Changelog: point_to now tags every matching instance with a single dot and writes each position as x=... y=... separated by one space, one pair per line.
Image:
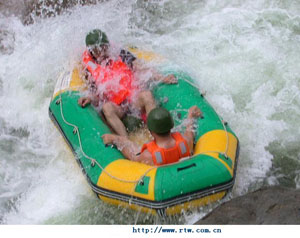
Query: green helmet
x=160 y=121
x=96 y=37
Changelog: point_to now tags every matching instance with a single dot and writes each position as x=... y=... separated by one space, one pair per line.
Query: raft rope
x=94 y=161
x=140 y=180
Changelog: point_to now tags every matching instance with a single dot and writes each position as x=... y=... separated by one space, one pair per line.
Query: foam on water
x=244 y=54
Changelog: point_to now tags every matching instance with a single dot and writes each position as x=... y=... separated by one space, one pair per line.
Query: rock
x=28 y=10
x=272 y=205
x=50 y=8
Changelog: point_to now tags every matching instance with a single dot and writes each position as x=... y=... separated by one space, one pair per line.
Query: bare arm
x=169 y=79
x=194 y=112
x=84 y=101
x=138 y=66
x=92 y=96
x=129 y=149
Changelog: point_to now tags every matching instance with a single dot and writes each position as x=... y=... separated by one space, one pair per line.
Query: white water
x=244 y=54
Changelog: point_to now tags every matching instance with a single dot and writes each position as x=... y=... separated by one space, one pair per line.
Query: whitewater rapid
x=243 y=54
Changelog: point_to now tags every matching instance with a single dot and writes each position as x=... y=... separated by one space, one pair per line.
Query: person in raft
x=166 y=147
x=111 y=82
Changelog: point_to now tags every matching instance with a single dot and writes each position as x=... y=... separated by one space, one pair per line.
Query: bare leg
x=113 y=114
x=145 y=100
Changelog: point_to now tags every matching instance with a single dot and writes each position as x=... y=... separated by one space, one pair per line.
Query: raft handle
x=57 y=102
x=111 y=145
x=141 y=182
x=179 y=115
x=186 y=167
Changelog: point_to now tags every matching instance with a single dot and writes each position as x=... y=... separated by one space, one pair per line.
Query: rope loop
x=75 y=130
x=141 y=182
x=225 y=155
x=58 y=101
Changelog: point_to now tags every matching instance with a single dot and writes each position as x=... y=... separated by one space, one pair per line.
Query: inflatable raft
x=198 y=180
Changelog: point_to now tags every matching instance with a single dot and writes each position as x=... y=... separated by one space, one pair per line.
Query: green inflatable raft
x=195 y=181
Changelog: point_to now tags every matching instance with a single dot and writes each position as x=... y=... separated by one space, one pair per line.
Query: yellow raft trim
x=195 y=203
x=145 y=55
x=75 y=84
x=215 y=141
x=127 y=205
x=187 y=206
x=127 y=170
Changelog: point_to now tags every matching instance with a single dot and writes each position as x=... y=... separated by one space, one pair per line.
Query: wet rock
x=29 y=10
x=50 y=8
x=272 y=205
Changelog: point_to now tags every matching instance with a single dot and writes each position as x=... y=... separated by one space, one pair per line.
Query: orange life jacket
x=117 y=71
x=162 y=156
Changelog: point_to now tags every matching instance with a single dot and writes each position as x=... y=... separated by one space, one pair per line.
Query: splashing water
x=244 y=54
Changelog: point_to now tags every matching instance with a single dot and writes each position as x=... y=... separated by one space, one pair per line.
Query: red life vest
x=117 y=76
x=162 y=156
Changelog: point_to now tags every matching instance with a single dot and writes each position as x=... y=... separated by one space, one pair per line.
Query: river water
x=243 y=53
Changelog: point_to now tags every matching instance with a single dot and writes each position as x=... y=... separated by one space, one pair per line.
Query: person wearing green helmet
x=97 y=43
x=112 y=81
x=167 y=147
